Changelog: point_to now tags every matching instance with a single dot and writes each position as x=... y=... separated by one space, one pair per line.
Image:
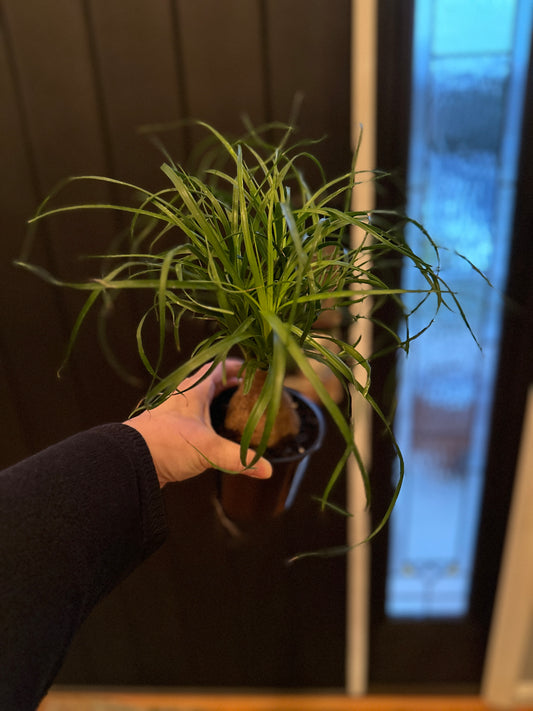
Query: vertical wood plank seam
x=22 y=109
x=99 y=91
x=183 y=92
x=37 y=190
x=264 y=40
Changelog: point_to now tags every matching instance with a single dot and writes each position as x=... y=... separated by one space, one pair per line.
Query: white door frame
x=363 y=116
x=511 y=635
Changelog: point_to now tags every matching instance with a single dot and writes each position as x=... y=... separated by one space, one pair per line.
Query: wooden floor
x=105 y=701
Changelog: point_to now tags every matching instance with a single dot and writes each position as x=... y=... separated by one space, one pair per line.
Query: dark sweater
x=75 y=519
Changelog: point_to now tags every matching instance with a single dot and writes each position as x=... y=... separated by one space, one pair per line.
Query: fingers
x=227 y=376
x=223 y=376
x=194 y=396
x=227 y=457
x=228 y=453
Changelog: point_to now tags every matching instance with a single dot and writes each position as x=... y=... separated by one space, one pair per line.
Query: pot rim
x=314 y=408
x=316 y=444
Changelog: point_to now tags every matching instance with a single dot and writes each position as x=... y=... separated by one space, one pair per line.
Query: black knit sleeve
x=75 y=519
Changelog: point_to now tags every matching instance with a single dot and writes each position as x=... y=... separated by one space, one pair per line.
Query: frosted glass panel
x=468 y=109
x=472 y=26
x=469 y=68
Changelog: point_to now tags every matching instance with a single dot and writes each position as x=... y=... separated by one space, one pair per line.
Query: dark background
x=77 y=79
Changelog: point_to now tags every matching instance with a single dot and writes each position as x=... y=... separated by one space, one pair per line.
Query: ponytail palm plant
x=250 y=247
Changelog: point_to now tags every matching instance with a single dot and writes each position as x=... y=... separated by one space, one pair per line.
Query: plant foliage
x=248 y=245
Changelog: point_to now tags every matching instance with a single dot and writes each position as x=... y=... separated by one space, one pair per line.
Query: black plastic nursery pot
x=246 y=501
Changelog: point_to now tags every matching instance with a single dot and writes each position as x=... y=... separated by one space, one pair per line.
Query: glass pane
x=469 y=68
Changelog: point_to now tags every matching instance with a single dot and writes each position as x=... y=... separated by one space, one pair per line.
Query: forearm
x=74 y=520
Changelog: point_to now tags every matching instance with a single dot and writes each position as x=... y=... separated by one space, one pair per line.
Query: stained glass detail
x=469 y=68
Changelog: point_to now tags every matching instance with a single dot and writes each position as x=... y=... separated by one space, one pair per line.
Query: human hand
x=180 y=436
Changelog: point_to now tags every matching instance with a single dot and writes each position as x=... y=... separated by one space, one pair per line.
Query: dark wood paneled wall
x=77 y=78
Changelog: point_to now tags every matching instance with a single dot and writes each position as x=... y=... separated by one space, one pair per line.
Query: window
x=468 y=79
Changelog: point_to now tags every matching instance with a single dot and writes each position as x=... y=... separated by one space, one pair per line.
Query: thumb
x=227 y=456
